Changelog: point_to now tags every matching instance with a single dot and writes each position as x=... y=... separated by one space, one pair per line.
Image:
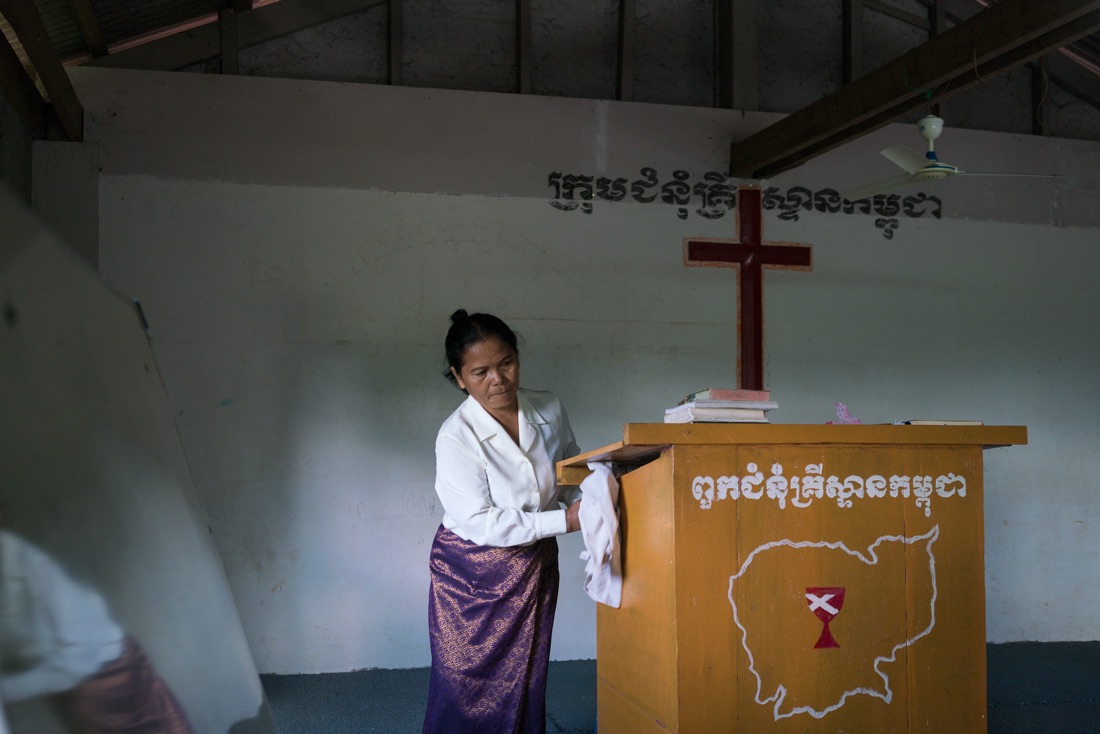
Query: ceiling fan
x=921 y=168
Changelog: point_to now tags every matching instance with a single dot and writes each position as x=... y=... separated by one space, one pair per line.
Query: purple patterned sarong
x=490 y=618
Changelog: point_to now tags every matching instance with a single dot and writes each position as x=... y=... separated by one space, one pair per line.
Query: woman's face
x=490 y=373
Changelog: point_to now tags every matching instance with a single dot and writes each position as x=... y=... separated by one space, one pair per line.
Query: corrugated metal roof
x=115 y=25
x=60 y=21
x=120 y=21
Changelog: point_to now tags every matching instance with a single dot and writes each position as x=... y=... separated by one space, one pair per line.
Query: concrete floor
x=1034 y=688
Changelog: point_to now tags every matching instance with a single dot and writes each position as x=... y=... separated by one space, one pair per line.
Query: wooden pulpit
x=796 y=578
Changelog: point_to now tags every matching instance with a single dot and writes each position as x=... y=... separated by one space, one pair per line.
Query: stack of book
x=723 y=405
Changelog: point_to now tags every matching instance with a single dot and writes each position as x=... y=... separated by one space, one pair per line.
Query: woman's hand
x=573 y=517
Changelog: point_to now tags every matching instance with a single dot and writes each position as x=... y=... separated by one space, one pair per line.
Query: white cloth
x=54 y=632
x=495 y=492
x=599 y=516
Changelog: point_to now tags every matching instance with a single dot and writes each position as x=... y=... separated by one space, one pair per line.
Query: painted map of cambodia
x=821 y=622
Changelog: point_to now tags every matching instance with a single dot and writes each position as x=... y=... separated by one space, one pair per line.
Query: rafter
x=1067 y=67
x=523 y=46
x=89 y=27
x=737 y=76
x=1070 y=67
x=395 y=35
x=853 y=40
x=202 y=42
x=624 y=87
x=31 y=32
x=20 y=91
x=1003 y=36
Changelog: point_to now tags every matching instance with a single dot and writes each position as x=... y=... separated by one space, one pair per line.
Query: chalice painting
x=825 y=602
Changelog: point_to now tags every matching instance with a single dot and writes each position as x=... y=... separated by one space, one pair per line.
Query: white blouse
x=54 y=632
x=495 y=492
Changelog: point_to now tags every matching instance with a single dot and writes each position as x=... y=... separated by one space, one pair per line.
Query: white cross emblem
x=822 y=602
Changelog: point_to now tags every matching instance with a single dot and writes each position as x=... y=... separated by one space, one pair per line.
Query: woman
x=494 y=561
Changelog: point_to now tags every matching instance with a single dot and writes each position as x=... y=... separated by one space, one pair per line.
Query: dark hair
x=468 y=329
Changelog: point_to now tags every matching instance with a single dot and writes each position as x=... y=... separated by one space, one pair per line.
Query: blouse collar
x=486 y=426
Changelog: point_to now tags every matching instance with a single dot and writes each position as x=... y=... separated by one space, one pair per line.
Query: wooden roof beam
x=202 y=41
x=737 y=52
x=20 y=91
x=1068 y=67
x=24 y=19
x=852 y=40
x=1003 y=36
x=624 y=85
x=524 y=53
x=395 y=40
x=89 y=27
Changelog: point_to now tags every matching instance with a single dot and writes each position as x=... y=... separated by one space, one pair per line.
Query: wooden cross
x=750 y=255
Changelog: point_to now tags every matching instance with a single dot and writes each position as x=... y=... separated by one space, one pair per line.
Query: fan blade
x=879 y=188
x=1026 y=175
x=907 y=159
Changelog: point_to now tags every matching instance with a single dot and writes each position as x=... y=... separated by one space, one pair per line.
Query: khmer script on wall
x=714 y=194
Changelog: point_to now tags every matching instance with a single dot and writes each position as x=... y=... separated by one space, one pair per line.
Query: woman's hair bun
x=459 y=315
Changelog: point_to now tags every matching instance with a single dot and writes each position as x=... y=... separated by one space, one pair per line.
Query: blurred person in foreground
x=58 y=639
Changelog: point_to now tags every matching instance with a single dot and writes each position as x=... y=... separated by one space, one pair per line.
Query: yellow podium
x=796 y=578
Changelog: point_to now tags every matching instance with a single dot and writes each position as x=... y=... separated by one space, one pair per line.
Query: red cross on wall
x=750 y=255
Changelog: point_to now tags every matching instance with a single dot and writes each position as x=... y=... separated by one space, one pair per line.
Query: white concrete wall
x=298 y=247
x=65 y=194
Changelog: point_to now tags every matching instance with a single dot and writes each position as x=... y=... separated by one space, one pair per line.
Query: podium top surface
x=642 y=442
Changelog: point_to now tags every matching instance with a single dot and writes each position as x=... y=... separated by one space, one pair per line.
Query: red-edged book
x=729 y=393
